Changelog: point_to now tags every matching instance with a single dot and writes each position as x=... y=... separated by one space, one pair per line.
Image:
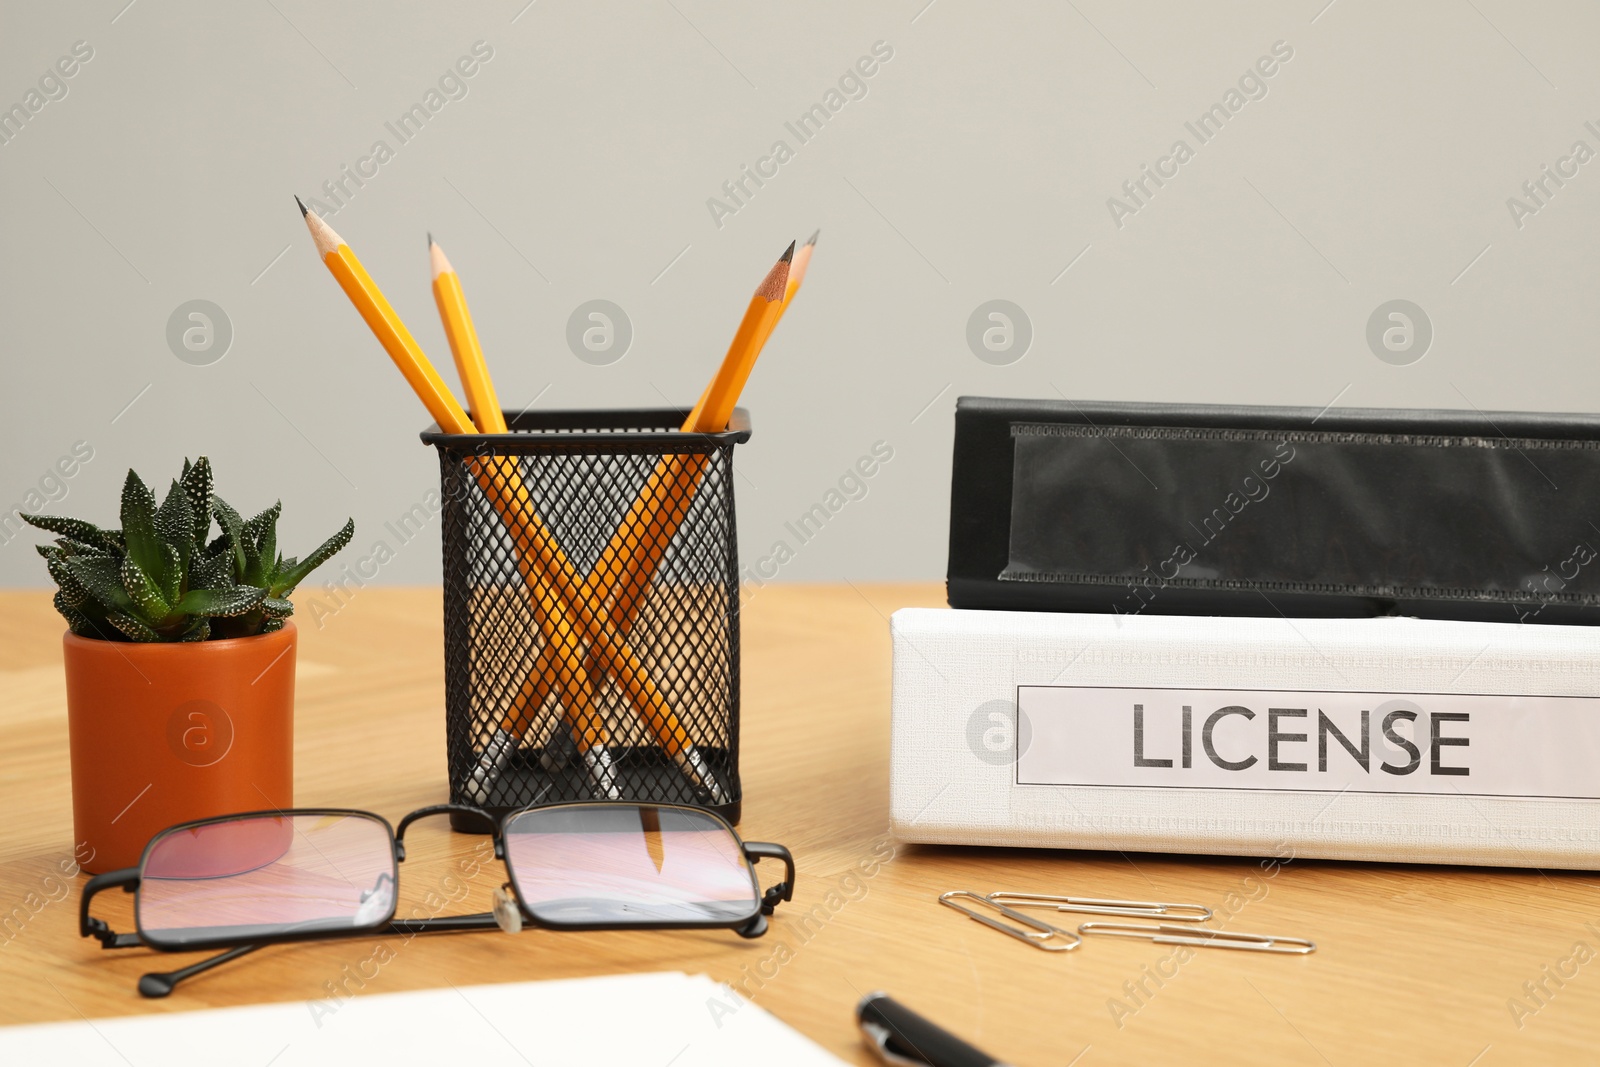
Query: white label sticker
x=1506 y=746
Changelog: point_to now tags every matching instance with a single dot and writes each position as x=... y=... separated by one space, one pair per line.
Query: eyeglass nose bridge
x=491 y=826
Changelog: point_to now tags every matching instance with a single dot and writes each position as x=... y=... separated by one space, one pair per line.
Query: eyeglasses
x=241 y=882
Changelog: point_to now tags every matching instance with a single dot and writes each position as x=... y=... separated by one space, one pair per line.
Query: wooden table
x=1416 y=964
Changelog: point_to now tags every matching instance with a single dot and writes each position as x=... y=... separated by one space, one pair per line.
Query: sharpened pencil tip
x=430 y=238
x=813 y=239
x=788 y=254
x=304 y=211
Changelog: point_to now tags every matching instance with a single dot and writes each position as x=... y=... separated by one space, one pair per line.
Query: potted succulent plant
x=180 y=662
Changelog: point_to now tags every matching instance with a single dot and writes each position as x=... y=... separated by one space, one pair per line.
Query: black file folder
x=1231 y=510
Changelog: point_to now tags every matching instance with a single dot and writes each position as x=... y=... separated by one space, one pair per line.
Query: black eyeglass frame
x=159 y=985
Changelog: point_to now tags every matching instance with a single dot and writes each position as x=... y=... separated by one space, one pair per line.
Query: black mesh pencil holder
x=627 y=686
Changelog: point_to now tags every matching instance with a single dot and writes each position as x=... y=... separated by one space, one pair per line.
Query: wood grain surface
x=1415 y=964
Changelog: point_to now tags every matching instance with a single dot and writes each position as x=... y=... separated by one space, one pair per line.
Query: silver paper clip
x=1202 y=938
x=1040 y=935
x=1137 y=909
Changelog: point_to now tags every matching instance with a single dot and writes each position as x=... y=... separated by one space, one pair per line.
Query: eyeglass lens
x=266 y=875
x=615 y=864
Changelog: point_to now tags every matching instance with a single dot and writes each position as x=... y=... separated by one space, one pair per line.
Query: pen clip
x=902 y=1038
x=878 y=1038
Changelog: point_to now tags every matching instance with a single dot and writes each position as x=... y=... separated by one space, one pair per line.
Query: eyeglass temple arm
x=128 y=879
x=784 y=890
x=158 y=985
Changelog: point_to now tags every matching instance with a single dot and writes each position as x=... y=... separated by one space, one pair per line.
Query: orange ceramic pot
x=166 y=733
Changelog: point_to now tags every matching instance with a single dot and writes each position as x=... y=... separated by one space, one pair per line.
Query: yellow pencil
x=797 y=274
x=463 y=338
x=710 y=415
x=592 y=743
x=630 y=559
x=705 y=420
x=661 y=507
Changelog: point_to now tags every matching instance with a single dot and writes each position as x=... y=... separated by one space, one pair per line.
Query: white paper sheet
x=631 y=1020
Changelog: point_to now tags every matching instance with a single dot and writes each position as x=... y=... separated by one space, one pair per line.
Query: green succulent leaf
x=285 y=581
x=272 y=626
x=86 y=625
x=103 y=580
x=172 y=567
x=199 y=631
x=232 y=531
x=176 y=572
x=221 y=603
x=254 y=566
x=136 y=629
x=77 y=621
x=263 y=532
x=142 y=590
x=175 y=524
x=99 y=628
x=254 y=527
x=139 y=530
x=76 y=529
x=71 y=589
x=213 y=573
x=277 y=607
x=80 y=548
x=196 y=482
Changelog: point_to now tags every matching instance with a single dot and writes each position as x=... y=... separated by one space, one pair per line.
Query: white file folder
x=1389 y=739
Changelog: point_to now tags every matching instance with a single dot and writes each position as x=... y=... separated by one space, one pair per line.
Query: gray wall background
x=978 y=165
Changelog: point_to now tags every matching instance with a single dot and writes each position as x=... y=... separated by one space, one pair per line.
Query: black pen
x=902 y=1037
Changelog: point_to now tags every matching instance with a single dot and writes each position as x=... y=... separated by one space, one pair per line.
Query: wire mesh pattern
x=591 y=611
